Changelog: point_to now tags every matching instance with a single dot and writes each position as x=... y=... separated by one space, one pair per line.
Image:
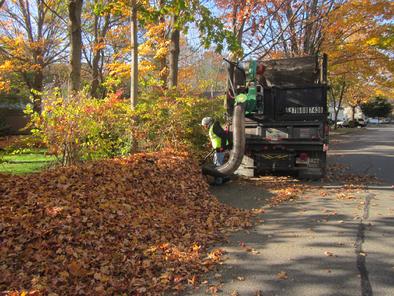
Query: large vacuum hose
x=237 y=153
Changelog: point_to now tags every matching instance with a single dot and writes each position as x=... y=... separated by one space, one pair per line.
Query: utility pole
x=134 y=55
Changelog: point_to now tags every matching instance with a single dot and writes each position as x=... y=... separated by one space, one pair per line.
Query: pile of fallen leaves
x=136 y=226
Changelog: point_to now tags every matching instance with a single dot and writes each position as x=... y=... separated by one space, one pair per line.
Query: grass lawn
x=24 y=163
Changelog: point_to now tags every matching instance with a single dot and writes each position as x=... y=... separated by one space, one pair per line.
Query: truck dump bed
x=294 y=72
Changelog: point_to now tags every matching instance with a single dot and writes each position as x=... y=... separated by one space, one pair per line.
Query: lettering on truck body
x=304 y=110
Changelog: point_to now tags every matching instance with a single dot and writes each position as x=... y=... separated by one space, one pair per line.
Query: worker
x=219 y=141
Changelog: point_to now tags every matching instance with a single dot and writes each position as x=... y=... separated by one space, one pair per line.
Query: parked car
x=343 y=123
x=373 y=121
x=360 y=122
x=385 y=120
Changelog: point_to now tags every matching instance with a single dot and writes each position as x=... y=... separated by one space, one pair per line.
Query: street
x=369 y=151
x=332 y=240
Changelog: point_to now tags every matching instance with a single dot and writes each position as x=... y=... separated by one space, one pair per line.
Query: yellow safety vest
x=215 y=139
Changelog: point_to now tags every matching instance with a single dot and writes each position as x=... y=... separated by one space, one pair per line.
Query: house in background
x=346 y=113
x=12 y=118
x=358 y=114
x=331 y=111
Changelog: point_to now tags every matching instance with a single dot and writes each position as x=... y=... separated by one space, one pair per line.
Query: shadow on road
x=306 y=241
x=242 y=195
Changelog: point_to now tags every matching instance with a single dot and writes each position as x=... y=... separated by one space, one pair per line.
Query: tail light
x=303 y=156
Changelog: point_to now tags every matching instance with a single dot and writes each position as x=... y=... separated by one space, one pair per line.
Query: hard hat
x=207 y=121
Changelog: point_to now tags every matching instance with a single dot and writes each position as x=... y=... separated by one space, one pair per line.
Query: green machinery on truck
x=279 y=117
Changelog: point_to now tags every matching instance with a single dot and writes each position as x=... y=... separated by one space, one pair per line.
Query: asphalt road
x=318 y=244
x=369 y=150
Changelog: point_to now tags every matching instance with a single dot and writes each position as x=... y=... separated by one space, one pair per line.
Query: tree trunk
x=37 y=86
x=309 y=47
x=95 y=76
x=95 y=61
x=99 y=37
x=293 y=32
x=163 y=60
x=75 y=11
x=353 y=112
x=340 y=100
x=134 y=67
x=70 y=154
x=134 y=55
x=174 y=54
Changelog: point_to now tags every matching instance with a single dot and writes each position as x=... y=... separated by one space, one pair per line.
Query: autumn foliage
x=79 y=127
x=139 y=226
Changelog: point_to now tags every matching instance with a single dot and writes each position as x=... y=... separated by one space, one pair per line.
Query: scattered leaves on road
x=282 y=188
x=282 y=275
x=328 y=253
x=340 y=173
x=213 y=290
x=286 y=188
x=248 y=249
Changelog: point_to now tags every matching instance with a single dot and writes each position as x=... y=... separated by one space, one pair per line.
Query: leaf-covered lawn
x=138 y=226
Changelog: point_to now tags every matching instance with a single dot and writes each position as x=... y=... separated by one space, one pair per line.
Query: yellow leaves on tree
x=5 y=82
x=17 y=47
x=353 y=36
x=153 y=52
x=356 y=39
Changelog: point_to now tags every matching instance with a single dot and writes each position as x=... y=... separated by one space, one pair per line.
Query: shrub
x=175 y=122
x=79 y=127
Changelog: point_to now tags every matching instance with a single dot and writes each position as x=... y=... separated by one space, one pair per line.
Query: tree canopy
x=174 y=38
x=378 y=107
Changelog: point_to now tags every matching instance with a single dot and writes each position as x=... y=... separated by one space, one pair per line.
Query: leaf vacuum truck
x=278 y=114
